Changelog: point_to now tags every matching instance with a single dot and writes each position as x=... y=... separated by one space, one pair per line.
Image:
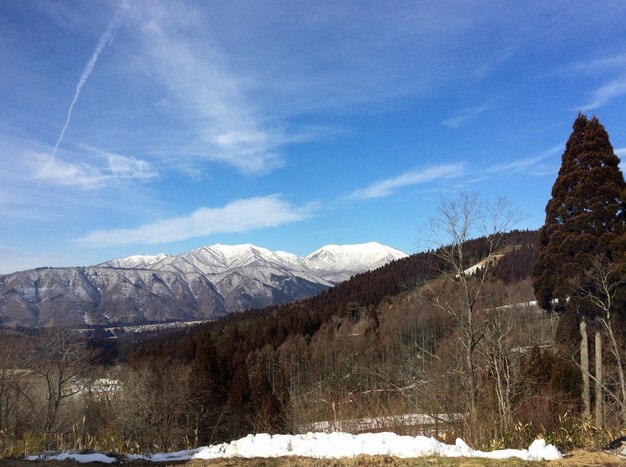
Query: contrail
x=114 y=33
x=107 y=36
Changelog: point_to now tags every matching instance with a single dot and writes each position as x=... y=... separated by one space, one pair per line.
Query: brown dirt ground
x=575 y=458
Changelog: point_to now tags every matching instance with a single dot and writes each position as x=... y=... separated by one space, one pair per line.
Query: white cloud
x=605 y=94
x=462 y=117
x=58 y=172
x=526 y=164
x=237 y=216
x=119 y=166
x=129 y=167
x=70 y=186
x=387 y=187
x=84 y=175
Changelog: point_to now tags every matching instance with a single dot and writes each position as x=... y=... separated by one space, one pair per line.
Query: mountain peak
x=339 y=262
x=359 y=249
x=330 y=263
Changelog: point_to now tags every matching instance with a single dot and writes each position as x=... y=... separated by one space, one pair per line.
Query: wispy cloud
x=237 y=216
x=463 y=117
x=387 y=187
x=606 y=93
x=240 y=90
x=533 y=163
x=222 y=120
x=71 y=187
x=494 y=61
x=613 y=65
x=611 y=62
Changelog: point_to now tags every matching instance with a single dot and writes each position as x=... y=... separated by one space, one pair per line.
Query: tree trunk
x=599 y=394
x=584 y=366
x=620 y=367
x=471 y=368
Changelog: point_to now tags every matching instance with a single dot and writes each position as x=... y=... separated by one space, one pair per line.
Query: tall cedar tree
x=585 y=216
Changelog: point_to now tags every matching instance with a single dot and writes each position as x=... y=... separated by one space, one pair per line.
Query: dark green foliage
x=552 y=387
x=518 y=262
x=585 y=215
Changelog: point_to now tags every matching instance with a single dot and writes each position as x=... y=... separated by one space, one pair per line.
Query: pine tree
x=585 y=216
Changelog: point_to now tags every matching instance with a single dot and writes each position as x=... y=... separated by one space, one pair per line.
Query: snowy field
x=328 y=446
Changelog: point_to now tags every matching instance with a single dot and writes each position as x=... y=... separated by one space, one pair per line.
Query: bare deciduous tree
x=61 y=359
x=459 y=220
x=599 y=285
x=153 y=408
x=501 y=365
x=17 y=409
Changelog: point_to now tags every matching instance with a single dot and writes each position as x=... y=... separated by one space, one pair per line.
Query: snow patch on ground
x=71 y=456
x=329 y=446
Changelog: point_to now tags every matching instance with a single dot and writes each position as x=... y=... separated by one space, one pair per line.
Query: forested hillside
x=358 y=349
x=367 y=348
x=376 y=352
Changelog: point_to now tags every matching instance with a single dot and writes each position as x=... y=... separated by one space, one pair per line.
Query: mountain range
x=201 y=284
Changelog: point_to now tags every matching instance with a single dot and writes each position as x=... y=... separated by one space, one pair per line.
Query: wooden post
x=584 y=366
x=599 y=394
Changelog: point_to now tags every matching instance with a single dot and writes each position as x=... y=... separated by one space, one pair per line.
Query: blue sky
x=147 y=127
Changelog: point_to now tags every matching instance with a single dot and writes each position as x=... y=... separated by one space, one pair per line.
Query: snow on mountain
x=201 y=284
x=104 y=295
x=228 y=266
x=329 y=264
x=135 y=261
x=289 y=258
x=336 y=263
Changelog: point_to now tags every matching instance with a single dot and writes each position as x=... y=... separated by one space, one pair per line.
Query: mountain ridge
x=204 y=283
x=329 y=264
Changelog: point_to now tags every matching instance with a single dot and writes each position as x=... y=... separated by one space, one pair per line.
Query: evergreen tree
x=585 y=216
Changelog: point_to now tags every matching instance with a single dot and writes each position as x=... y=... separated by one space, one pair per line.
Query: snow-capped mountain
x=327 y=262
x=337 y=263
x=201 y=284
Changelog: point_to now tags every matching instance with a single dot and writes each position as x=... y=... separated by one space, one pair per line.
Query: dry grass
x=588 y=458
x=575 y=458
